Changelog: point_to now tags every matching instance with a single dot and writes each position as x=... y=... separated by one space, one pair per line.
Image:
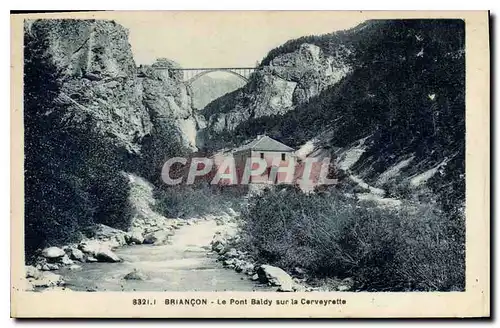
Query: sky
x=223 y=39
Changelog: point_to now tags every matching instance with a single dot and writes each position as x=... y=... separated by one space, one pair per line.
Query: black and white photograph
x=164 y=153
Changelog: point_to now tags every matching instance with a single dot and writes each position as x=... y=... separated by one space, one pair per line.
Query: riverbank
x=226 y=244
x=183 y=263
x=98 y=246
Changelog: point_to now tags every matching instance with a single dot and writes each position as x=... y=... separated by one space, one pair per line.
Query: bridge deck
x=190 y=74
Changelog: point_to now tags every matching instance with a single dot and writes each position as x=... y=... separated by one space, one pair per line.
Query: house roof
x=266 y=143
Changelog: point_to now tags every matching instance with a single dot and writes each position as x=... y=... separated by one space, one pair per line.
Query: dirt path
x=185 y=265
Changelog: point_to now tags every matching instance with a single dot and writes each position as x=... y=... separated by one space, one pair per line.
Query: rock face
x=84 y=115
x=169 y=105
x=287 y=81
x=336 y=95
x=91 y=114
x=101 y=84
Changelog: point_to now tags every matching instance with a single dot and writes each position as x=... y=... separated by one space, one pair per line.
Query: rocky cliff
x=386 y=98
x=175 y=122
x=290 y=79
x=89 y=115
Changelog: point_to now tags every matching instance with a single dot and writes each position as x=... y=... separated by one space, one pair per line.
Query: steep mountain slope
x=170 y=108
x=290 y=79
x=396 y=110
x=87 y=117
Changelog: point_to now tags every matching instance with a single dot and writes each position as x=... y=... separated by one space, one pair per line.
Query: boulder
x=135 y=275
x=247 y=268
x=90 y=247
x=104 y=232
x=286 y=287
x=50 y=267
x=107 y=255
x=99 y=251
x=219 y=249
x=275 y=276
x=135 y=236
x=229 y=262
x=159 y=237
x=48 y=279
x=65 y=260
x=231 y=253
x=53 y=253
x=218 y=243
x=237 y=265
x=255 y=277
x=74 y=267
x=345 y=285
x=299 y=288
x=121 y=239
x=76 y=254
x=32 y=272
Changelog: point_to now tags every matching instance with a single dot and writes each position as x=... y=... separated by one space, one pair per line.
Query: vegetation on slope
x=406 y=91
x=331 y=236
x=71 y=178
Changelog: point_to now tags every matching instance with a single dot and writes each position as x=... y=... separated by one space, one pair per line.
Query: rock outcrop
x=91 y=114
x=84 y=121
x=376 y=99
x=289 y=80
x=169 y=103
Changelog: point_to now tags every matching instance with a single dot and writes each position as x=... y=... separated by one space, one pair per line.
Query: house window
x=282 y=156
x=262 y=155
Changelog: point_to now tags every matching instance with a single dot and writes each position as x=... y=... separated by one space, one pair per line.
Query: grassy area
x=333 y=236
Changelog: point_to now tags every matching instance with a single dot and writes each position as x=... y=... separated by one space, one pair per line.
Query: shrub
x=333 y=236
x=194 y=200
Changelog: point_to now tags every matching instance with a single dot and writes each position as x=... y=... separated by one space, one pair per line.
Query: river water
x=185 y=265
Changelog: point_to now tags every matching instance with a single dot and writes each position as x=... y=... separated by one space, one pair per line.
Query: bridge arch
x=205 y=72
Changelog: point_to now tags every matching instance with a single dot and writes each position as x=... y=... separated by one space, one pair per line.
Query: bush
x=332 y=236
x=195 y=200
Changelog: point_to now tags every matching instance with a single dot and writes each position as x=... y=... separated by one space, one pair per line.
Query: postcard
x=250 y=164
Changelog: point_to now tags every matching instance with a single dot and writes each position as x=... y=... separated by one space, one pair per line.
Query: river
x=185 y=265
